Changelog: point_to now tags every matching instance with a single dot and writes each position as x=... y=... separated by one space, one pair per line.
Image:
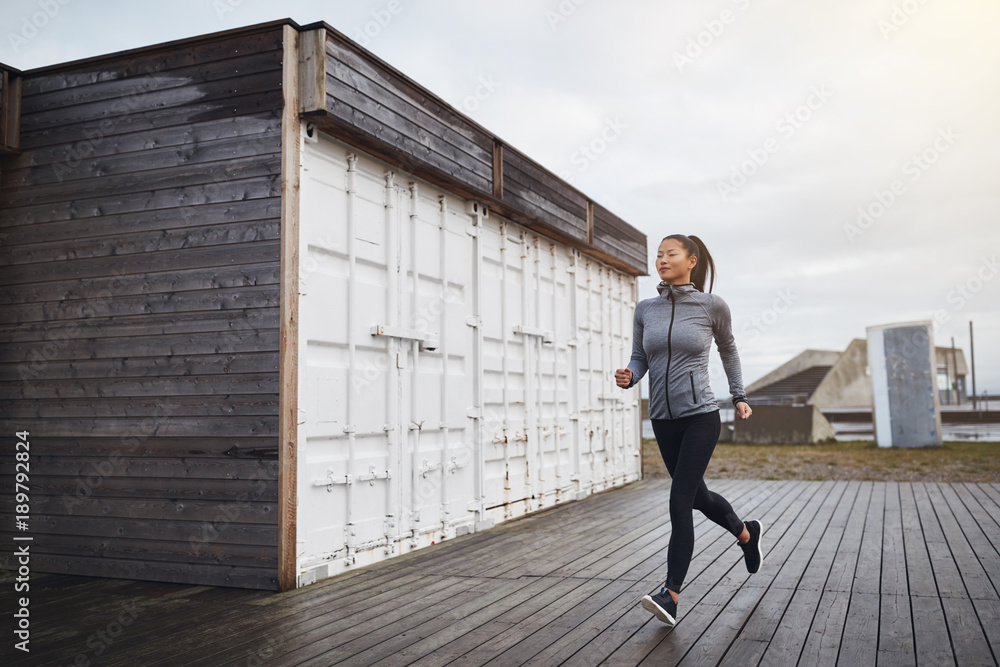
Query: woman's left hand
x=743 y=410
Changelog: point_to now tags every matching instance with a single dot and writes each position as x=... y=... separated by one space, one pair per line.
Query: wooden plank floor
x=855 y=573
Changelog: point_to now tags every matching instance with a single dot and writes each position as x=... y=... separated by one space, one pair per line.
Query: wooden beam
x=10 y=112
x=497 y=169
x=590 y=222
x=289 y=314
x=312 y=70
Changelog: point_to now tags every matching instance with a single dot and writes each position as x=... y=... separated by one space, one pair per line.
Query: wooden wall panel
x=140 y=271
x=616 y=237
x=387 y=109
x=543 y=196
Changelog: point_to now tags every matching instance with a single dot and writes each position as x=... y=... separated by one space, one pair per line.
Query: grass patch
x=954 y=461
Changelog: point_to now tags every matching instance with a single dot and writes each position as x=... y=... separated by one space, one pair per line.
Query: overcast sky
x=763 y=126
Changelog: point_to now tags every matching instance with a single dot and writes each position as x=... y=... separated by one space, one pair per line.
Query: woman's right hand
x=623 y=376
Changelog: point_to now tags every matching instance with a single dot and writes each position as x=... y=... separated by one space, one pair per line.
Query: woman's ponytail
x=704 y=265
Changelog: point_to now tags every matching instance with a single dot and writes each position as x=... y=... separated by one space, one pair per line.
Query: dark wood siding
x=616 y=237
x=389 y=109
x=544 y=197
x=139 y=312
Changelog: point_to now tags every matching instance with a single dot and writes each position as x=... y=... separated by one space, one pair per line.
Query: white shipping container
x=456 y=369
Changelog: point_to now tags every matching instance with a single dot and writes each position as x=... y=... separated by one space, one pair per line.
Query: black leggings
x=686 y=445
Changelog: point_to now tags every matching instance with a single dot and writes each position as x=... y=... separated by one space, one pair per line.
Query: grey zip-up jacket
x=671 y=338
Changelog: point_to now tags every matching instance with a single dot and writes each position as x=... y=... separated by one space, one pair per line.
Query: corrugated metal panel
x=455 y=368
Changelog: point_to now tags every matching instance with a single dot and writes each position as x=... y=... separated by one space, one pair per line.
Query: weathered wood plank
x=209 y=574
x=387 y=111
x=726 y=631
x=169 y=366
x=106 y=194
x=542 y=620
x=920 y=576
x=842 y=569
x=822 y=646
x=233 y=298
x=617 y=557
x=222 y=490
x=817 y=571
x=254 y=106
x=172 y=217
x=933 y=645
x=893 y=580
x=708 y=594
x=978 y=558
x=102 y=114
x=242 y=182
x=504 y=595
x=151 y=346
x=868 y=574
x=343 y=58
x=967 y=638
x=201 y=385
x=946 y=573
x=76 y=174
x=168 y=426
x=130 y=406
x=156 y=60
x=288 y=350
x=895 y=631
x=128 y=92
x=208 y=553
x=793 y=566
x=527 y=186
x=793 y=629
x=58 y=333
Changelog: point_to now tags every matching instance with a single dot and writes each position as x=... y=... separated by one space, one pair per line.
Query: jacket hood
x=666 y=289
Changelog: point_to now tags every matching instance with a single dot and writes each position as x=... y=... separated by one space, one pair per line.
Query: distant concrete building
x=839 y=381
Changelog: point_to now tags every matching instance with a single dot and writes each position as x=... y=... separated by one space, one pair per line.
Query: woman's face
x=673 y=263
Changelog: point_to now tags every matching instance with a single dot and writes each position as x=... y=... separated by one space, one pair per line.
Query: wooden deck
x=854 y=573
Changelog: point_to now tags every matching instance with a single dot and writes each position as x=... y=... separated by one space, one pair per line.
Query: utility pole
x=972 y=361
x=954 y=367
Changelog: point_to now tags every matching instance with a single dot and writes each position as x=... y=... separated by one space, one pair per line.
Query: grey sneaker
x=661 y=605
x=752 y=553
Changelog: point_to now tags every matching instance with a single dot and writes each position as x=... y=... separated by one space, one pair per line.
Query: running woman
x=672 y=338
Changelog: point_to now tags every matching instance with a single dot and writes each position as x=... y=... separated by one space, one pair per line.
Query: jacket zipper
x=694 y=396
x=666 y=386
